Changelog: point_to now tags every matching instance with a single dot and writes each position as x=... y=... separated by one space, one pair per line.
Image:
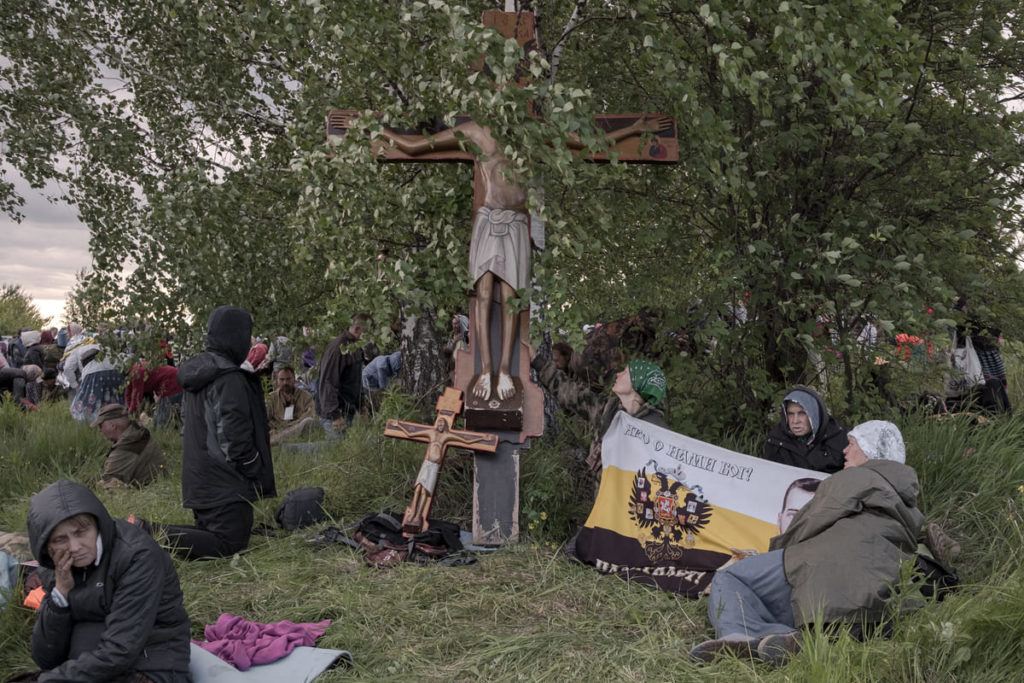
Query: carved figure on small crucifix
x=438 y=438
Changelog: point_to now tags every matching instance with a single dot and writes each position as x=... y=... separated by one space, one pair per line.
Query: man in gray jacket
x=836 y=561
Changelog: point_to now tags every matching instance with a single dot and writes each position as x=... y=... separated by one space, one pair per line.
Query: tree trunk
x=423 y=365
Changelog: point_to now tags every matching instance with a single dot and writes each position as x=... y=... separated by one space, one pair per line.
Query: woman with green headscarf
x=639 y=389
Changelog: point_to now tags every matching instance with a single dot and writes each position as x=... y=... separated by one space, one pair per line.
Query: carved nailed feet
x=506 y=388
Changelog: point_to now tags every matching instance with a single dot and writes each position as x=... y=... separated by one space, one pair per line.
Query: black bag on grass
x=936 y=579
x=381 y=535
x=301 y=508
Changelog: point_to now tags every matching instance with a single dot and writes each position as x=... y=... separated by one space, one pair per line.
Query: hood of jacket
x=823 y=416
x=901 y=477
x=229 y=333
x=199 y=371
x=57 y=502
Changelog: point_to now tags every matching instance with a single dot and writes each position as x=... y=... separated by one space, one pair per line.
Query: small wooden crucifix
x=438 y=438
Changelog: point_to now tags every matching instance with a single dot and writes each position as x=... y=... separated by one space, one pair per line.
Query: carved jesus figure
x=438 y=440
x=499 y=251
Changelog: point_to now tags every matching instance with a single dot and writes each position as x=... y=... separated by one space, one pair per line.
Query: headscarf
x=46 y=338
x=880 y=440
x=74 y=329
x=810 y=405
x=648 y=380
x=463 y=323
x=33 y=373
x=30 y=337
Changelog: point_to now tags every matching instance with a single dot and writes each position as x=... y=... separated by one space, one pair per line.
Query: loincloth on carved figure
x=501 y=245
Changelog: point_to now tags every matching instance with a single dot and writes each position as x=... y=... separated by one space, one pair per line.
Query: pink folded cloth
x=243 y=643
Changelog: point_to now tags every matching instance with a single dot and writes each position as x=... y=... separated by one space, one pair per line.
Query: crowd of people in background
x=91 y=369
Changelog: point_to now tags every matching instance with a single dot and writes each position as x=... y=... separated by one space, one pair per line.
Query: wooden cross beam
x=438 y=438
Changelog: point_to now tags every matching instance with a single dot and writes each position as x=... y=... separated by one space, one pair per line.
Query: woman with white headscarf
x=101 y=383
x=834 y=564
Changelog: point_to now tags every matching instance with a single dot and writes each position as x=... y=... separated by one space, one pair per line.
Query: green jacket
x=135 y=460
x=304 y=407
x=844 y=548
x=596 y=409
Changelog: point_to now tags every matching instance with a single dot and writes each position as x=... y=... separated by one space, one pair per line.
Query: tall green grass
x=524 y=612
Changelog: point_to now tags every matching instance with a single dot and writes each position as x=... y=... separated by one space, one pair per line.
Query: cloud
x=45 y=250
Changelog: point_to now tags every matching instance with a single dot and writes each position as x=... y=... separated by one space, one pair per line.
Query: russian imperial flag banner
x=671 y=509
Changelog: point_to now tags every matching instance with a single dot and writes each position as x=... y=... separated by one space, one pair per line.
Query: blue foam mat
x=302 y=664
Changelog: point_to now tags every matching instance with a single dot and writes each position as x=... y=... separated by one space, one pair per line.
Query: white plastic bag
x=966 y=372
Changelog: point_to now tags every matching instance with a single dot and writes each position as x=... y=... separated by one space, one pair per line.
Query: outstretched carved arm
x=644 y=124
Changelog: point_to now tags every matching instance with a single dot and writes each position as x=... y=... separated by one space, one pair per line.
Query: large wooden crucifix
x=494 y=373
x=438 y=439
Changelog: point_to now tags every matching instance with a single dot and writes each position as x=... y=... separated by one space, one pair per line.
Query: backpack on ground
x=301 y=508
x=381 y=536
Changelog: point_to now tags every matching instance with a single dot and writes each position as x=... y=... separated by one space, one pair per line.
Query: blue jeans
x=751 y=599
x=332 y=431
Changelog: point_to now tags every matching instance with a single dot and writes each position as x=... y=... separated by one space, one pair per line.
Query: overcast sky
x=44 y=251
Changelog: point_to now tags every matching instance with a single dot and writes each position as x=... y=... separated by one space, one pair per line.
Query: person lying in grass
x=113 y=609
x=835 y=562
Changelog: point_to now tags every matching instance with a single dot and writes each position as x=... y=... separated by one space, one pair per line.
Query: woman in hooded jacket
x=226 y=461
x=35 y=351
x=113 y=609
x=806 y=436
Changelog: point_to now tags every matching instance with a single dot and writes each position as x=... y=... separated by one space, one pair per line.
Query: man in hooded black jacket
x=806 y=436
x=113 y=607
x=226 y=461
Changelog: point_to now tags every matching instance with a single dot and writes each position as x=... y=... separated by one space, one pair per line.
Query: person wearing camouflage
x=639 y=389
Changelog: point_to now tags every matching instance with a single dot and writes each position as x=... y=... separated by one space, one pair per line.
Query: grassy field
x=524 y=612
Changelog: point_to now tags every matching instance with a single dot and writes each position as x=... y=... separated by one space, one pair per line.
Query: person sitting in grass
x=52 y=392
x=806 y=436
x=835 y=563
x=134 y=457
x=639 y=389
x=291 y=412
x=113 y=608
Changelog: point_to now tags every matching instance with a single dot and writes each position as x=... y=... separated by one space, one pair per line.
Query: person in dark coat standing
x=113 y=608
x=806 y=436
x=226 y=463
x=340 y=384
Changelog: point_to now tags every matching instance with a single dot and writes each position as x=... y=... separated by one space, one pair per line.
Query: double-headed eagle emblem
x=656 y=508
